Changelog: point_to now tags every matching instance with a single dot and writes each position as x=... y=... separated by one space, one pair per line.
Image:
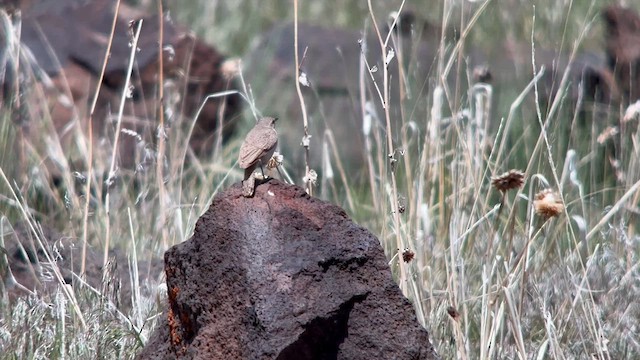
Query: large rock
x=622 y=38
x=283 y=276
x=63 y=45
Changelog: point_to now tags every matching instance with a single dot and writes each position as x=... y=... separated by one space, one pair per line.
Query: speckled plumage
x=258 y=146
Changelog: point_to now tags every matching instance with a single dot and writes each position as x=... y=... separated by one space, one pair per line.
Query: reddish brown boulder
x=66 y=41
x=283 y=276
x=622 y=38
x=589 y=80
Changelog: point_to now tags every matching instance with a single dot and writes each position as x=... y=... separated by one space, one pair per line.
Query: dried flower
x=455 y=315
x=547 y=204
x=512 y=179
x=304 y=80
x=275 y=161
x=402 y=204
x=306 y=141
x=390 y=55
x=607 y=134
x=231 y=68
x=408 y=255
x=311 y=177
x=632 y=112
x=170 y=51
x=482 y=74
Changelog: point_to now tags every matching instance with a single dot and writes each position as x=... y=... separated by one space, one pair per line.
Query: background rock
x=334 y=104
x=332 y=65
x=63 y=45
x=622 y=38
x=283 y=276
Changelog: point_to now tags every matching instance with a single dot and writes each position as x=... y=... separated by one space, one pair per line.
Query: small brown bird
x=257 y=149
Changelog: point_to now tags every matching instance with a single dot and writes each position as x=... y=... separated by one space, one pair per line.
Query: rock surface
x=622 y=39
x=283 y=276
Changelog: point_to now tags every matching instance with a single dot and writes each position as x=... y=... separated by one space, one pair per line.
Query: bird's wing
x=257 y=143
x=268 y=141
x=249 y=155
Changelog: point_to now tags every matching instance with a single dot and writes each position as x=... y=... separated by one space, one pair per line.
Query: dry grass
x=495 y=273
x=528 y=274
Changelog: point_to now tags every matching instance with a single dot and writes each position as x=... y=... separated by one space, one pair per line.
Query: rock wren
x=257 y=149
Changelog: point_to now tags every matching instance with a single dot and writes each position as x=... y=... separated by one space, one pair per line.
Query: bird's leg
x=249 y=182
x=249 y=186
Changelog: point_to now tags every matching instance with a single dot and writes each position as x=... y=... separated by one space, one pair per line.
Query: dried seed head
x=275 y=161
x=482 y=74
x=547 y=204
x=231 y=68
x=512 y=179
x=311 y=177
x=608 y=133
x=632 y=112
x=402 y=204
x=455 y=315
x=408 y=255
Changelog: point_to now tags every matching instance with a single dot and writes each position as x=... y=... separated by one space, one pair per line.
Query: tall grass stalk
x=112 y=167
x=308 y=177
x=90 y=179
